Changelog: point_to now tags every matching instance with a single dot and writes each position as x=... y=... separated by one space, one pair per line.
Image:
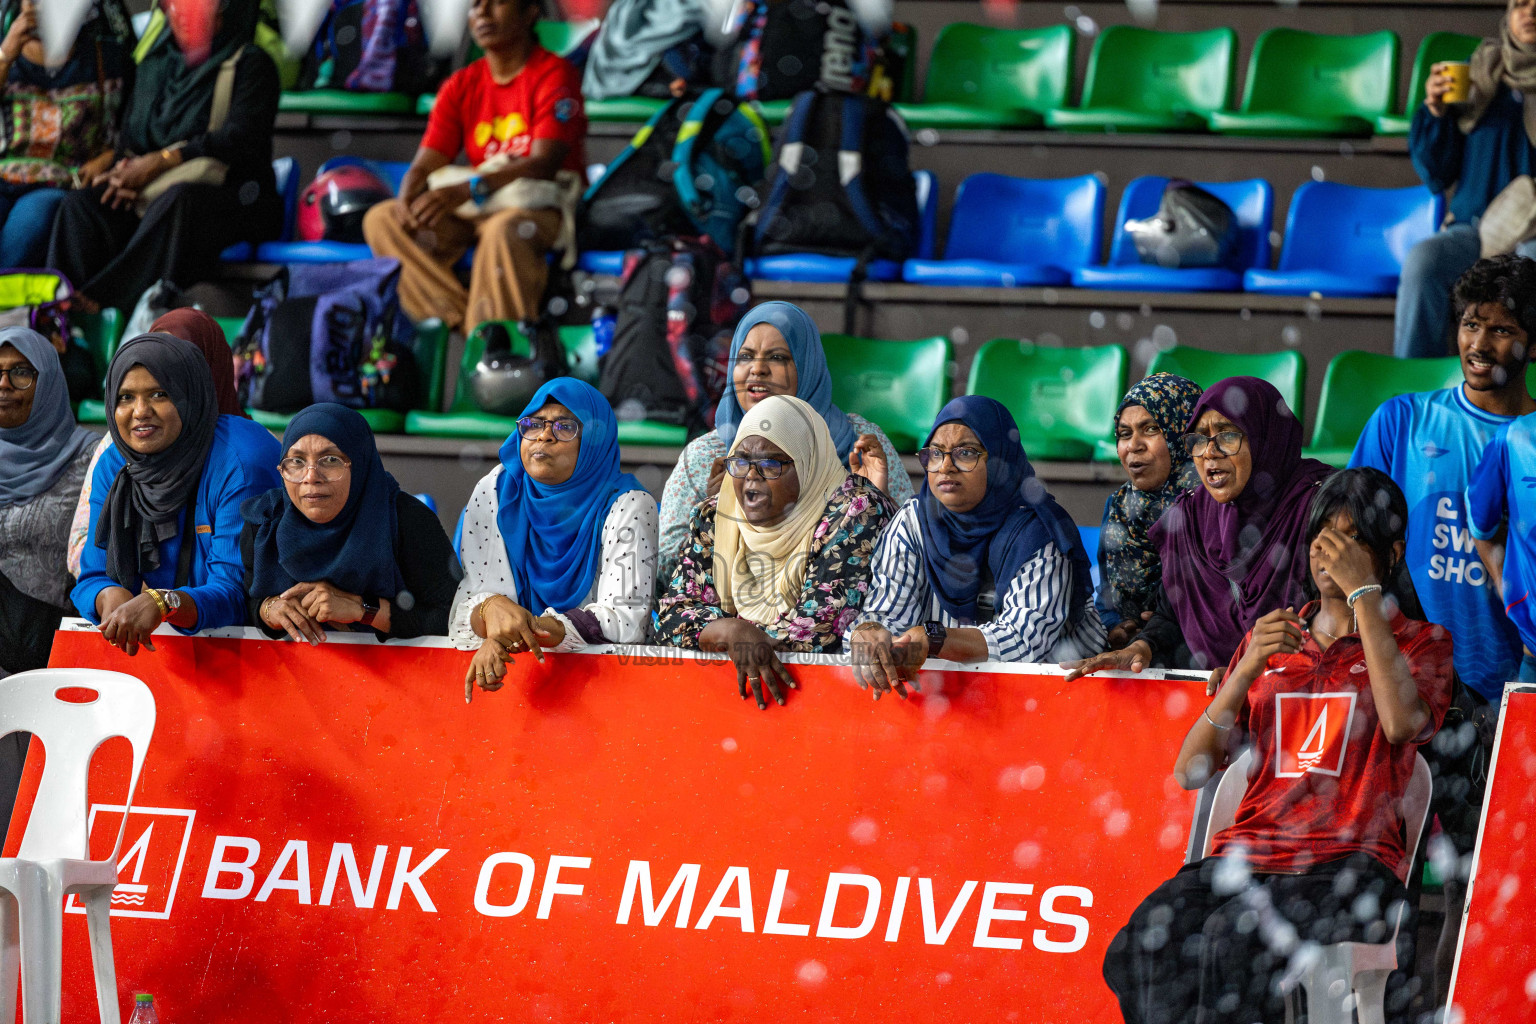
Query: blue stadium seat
x=289 y=251
x=427 y=500
x=1252 y=201
x=286 y=171
x=1090 y=535
x=807 y=266
x=1344 y=240
x=1012 y=232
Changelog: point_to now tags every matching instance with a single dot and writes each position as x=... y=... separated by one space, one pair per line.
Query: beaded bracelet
x=1360 y=592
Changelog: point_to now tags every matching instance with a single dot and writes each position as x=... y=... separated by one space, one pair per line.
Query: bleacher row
x=1299 y=84
x=1340 y=240
x=1064 y=398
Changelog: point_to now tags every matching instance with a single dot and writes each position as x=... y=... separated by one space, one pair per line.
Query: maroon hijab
x=204 y=331
x=1226 y=565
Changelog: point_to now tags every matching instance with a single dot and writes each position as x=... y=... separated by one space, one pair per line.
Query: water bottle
x=603 y=322
x=144 y=1009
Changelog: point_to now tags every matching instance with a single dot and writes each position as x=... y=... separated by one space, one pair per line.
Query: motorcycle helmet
x=1192 y=228
x=333 y=205
x=503 y=383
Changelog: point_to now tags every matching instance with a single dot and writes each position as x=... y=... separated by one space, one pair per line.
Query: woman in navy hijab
x=559 y=547
x=328 y=550
x=982 y=565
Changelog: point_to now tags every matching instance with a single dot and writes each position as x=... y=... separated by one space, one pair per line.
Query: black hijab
x=356 y=550
x=172 y=99
x=143 y=507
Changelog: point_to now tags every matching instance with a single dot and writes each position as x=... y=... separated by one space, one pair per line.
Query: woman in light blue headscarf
x=43 y=457
x=776 y=351
x=559 y=547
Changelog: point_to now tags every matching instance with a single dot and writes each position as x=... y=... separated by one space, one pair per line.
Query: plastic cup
x=1460 y=74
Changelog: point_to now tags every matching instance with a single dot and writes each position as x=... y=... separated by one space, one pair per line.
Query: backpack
x=1192 y=228
x=36 y=298
x=690 y=170
x=370 y=46
x=327 y=333
x=784 y=47
x=867 y=208
x=678 y=304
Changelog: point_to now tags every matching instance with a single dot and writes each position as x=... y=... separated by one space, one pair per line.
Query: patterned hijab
x=1128 y=561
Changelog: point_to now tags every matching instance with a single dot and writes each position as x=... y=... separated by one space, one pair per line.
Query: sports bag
x=370 y=46
x=678 y=305
x=784 y=47
x=328 y=333
x=1192 y=228
x=843 y=186
x=690 y=170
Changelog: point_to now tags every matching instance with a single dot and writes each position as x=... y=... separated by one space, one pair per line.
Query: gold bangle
x=159 y=599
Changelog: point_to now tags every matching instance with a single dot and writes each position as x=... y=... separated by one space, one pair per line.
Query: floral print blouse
x=836 y=576
x=689 y=484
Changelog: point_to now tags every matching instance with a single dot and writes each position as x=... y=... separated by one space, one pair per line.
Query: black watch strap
x=370 y=610
x=936 y=634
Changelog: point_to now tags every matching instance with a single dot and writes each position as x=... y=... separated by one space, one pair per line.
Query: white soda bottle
x=144 y=1009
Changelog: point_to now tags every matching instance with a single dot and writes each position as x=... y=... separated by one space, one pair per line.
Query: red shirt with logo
x=1328 y=783
x=474 y=114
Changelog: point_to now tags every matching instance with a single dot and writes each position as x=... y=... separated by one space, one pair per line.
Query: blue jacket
x=241 y=465
x=1479 y=165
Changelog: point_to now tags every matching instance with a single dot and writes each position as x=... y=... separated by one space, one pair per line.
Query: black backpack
x=782 y=47
x=678 y=305
x=842 y=186
x=1192 y=228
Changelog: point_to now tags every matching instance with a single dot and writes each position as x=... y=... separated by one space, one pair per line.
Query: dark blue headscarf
x=1014 y=521
x=554 y=534
x=356 y=550
x=814 y=385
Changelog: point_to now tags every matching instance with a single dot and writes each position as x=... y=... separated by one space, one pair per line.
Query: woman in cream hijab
x=779 y=560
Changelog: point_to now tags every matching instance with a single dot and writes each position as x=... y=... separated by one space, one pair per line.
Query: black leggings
x=1210 y=945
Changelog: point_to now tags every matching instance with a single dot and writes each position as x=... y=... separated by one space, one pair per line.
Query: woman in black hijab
x=113 y=245
x=340 y=545
x=164 y=541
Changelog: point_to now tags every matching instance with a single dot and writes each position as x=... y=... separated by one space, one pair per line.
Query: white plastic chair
x=54 y=859
x=1347 y=980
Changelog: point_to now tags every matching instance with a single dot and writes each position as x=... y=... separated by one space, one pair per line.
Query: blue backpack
x=843 y=186
x=690 y=170
x=329 y=332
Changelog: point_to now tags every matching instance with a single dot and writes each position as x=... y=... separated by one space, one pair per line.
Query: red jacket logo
x=1311 y=732
x=149 y=860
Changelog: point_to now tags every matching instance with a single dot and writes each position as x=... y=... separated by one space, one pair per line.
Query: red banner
x=332 y=834
x=1495 y=977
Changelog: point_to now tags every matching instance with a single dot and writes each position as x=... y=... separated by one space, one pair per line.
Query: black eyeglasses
x=22 y=377
x=565 y=429
x=964 y=459
x=1228 y=442
x=768 y=469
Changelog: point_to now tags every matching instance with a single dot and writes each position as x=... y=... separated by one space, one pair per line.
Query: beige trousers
x=509 y=274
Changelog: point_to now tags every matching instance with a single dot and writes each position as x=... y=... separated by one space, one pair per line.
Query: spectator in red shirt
x=521 y=104
x=1335 y=701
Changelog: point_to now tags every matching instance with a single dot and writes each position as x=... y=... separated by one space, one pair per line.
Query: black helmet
x=1192 y=228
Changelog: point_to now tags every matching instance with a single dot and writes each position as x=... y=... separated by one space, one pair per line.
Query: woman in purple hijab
x=1231 y=549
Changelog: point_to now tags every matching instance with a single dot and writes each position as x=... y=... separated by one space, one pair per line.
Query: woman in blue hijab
x=983 y=565
x=326 y=550
x=776 y=351
x=559 y=547
x=43 y=458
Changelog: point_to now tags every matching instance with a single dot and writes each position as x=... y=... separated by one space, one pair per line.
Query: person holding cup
x=1474 y=133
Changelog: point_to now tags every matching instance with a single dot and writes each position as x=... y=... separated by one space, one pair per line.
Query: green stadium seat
x=101 y=333
x=1286 y=370
x=1355 y=385
x=464 y=419
x=340 y=101
x=623 y=108
x=1140 y=80
x=1436 y=47
x=1303 y=84
x=900 y=386
x=1063 y=399
x=980 y=77
x=431 y=349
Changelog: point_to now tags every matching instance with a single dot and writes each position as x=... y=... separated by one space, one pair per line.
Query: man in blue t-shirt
x=1430 y=443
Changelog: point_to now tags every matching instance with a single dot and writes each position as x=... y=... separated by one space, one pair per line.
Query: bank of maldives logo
x=1312 y=732
x=149 y=861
